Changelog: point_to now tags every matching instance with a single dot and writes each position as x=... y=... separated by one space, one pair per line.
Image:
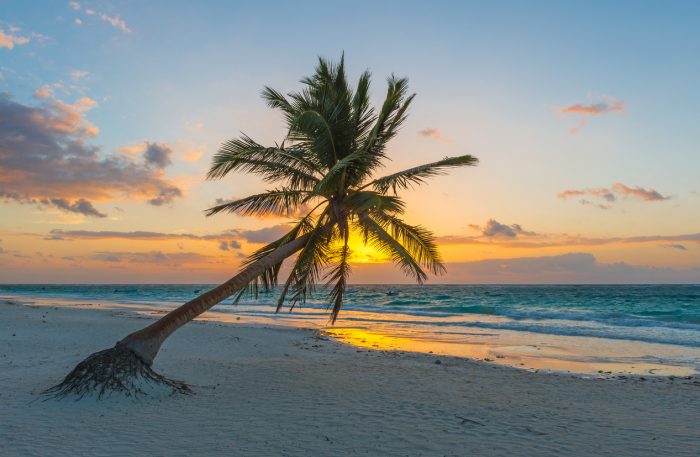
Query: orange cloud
x=135 y=149
x=434 y=134
x=610 y=195
x=593 y=109
x=9 y=40
x=193 y=154
x=638 y=192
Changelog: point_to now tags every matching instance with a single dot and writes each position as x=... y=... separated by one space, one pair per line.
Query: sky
x=583 y=115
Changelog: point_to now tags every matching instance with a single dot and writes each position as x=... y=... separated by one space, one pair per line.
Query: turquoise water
x=666 y=314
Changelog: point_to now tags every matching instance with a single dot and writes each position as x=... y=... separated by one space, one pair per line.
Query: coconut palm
x=324 y=170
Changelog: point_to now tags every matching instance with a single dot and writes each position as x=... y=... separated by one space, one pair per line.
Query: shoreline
x=286 y=391
x=584 y=356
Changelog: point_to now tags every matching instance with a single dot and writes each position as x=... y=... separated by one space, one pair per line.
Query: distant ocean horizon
x=664 y=318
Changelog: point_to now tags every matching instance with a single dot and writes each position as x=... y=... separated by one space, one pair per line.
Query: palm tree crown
x=324 y=169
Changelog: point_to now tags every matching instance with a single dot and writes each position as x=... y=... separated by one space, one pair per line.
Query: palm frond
x=308 y=265
x=418 y=241
x=360 y=201
x=417 y=175
x=333 y=177
x=275 y=202
x=268 y=279
x=384 y=243
x=313 y=130
x=338 y=276
x=274 y=164
x=393 y=102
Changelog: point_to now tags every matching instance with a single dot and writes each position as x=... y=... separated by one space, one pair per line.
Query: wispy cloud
x=151 y=257
x=544 y=240
x=585 y=202
x=9 y=39
x=191 y=153
x=593 y=109
x=569 y=268
x=232 y=236
x=678 y=247
x=434 y=134
x=612 y=194
x=79 y=74
x=114 y=21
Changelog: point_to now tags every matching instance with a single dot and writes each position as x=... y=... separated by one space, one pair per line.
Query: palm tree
x=325 y=165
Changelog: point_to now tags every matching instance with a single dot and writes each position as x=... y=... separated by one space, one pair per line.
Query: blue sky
x=551 y=96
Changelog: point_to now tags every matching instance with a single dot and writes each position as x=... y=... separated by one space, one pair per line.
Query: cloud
x=545 y=240
x=678 y=247
x=226 y=245
x=594 y=109
x=264 y=235
x=563 y=269
x=434 y=134
x=605 y=194
x=589 y=110
x=44 y=91
x=114 y=21
x=639 y=193
x=611 y=195
x=59 y=234
x=585 y=202
x=81 y=206
x=493 y=228
x=570 y=268
x=193 y=154
x=79 y=74
x=157 y=155
x=77 y=21
x=46 y=159
x=8 y=40
x=152 y=257
x=195 y=126
x=232 y=237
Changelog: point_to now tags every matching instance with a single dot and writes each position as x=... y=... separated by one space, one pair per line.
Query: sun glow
x=364 y=253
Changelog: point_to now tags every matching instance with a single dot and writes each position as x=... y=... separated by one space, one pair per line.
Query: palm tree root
x=115 y=370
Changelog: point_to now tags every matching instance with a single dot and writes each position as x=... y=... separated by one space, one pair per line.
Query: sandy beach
x=264 y=391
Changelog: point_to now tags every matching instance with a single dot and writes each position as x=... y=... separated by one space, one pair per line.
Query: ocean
x=587 y=328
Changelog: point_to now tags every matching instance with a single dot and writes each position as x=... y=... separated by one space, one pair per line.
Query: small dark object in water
x=197 y=291
x=392 y=293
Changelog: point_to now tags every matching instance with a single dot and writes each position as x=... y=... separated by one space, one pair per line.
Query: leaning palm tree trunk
x=127 y=365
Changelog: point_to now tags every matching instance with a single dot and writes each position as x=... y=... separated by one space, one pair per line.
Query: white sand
x=282 y=391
